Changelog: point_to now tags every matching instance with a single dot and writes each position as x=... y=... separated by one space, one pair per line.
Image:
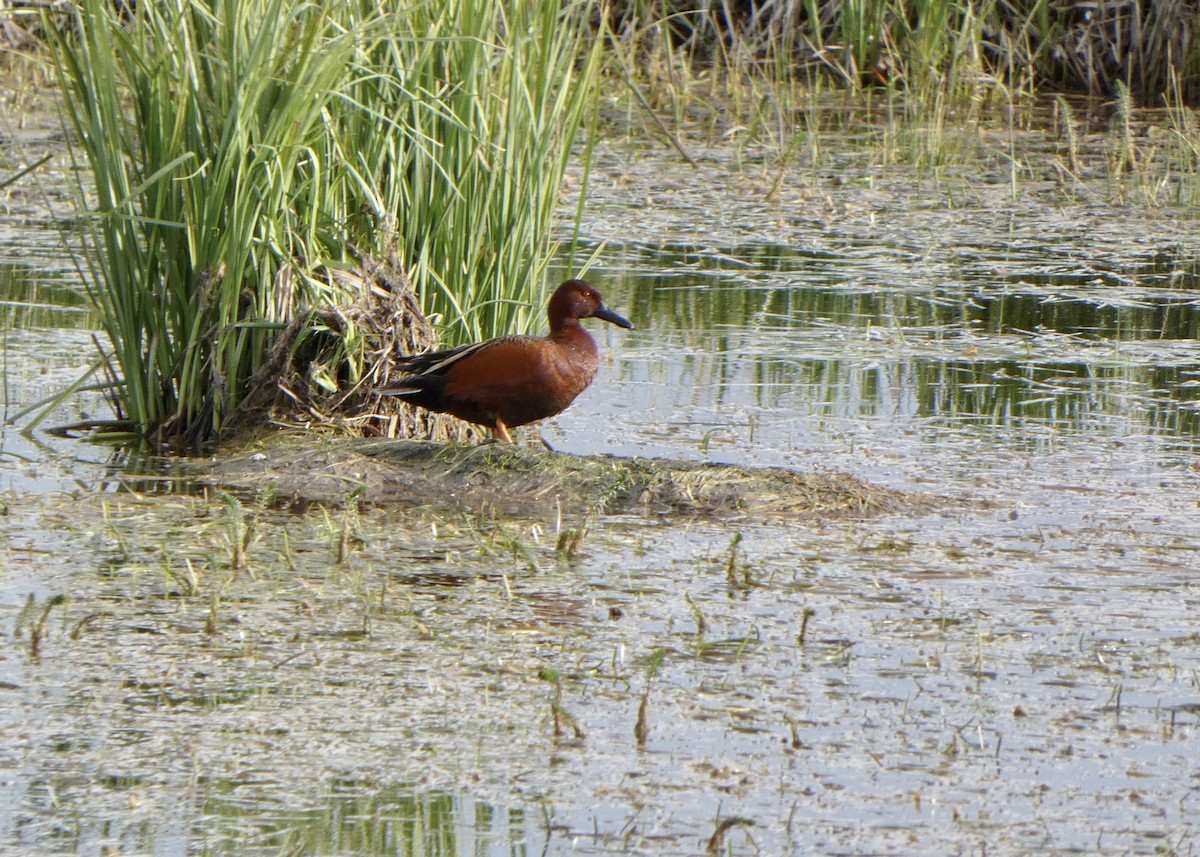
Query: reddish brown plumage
x=513 y=380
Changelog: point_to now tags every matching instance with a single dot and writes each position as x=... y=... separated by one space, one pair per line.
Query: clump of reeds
x=242 y=150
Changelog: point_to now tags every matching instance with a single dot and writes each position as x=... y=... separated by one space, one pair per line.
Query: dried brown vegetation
x=308 y=381
x=1149 y=47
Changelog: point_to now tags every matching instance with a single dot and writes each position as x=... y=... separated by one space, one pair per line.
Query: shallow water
x=1017 y=672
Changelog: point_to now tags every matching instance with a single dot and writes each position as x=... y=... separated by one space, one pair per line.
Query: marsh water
x=1014 y=672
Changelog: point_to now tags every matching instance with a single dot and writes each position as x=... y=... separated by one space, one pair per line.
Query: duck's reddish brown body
x=513 y=380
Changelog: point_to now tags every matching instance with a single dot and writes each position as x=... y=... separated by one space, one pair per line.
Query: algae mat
x=520 y=480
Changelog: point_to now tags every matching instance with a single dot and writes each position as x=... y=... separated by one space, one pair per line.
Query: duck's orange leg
x=501 y=431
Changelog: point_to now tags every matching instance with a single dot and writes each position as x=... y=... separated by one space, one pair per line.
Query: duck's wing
x=437 y=362
x=425 y=375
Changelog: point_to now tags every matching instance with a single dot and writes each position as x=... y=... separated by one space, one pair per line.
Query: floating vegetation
x=521 y=480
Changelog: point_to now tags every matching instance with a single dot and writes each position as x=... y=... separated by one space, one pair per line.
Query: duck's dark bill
x=610 y=316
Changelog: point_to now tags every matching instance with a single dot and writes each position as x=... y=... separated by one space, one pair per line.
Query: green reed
x=237 y=149
x=460 y=151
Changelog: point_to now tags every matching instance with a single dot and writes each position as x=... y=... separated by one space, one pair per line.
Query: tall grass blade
x=240 y=145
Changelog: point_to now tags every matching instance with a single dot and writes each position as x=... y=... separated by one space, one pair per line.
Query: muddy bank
x=515 y=480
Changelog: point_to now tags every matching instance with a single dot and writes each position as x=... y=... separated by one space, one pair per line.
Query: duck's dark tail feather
x=423 y=390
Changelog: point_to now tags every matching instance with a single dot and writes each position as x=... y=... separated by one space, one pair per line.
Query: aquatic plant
x=462 y=120
x=894 y=69
x=1077 y=47
x=917 y=78
x=239 y=151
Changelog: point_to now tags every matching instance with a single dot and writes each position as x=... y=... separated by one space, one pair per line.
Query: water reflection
x=31 y=299
x=763 y=333
x=698 y=289
x=247 y=817
x=363 y=819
